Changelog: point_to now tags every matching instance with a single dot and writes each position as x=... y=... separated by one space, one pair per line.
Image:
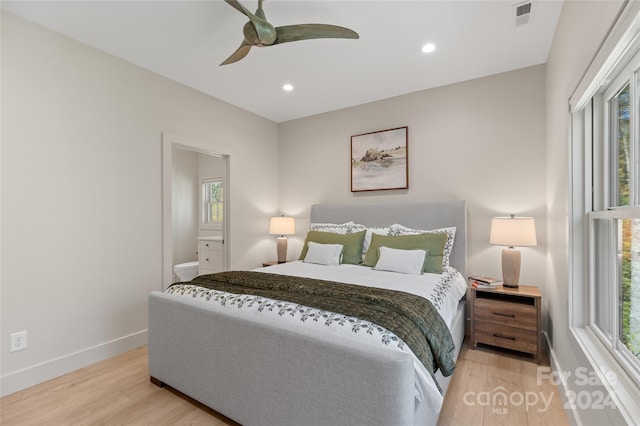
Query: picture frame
x=380 y=160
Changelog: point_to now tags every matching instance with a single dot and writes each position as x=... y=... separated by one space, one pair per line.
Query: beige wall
x=82 y=195
x=481 y=140
x=184 y=205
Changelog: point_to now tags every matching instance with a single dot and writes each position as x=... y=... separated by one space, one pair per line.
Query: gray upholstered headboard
x=417 y=215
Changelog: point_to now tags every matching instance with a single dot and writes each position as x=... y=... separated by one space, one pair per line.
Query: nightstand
x=508 y=318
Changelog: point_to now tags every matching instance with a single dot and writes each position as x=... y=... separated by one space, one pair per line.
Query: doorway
x=189 y=167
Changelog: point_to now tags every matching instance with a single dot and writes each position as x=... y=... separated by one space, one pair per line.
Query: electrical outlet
x=18 y=341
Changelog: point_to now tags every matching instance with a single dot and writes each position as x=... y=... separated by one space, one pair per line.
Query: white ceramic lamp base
x=282 y=249
x=510 y=267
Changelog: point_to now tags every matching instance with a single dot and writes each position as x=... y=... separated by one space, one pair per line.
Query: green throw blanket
x=412 y=318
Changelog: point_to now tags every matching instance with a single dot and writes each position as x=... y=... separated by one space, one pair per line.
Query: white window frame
x=620 y=353
x=592 y=166
x=624 y=76
x=204 y=225
x=604 y=210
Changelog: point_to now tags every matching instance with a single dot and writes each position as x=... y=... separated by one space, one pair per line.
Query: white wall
x=480 y=140
x=184 y=205
x=81 y=195
x=582 y=27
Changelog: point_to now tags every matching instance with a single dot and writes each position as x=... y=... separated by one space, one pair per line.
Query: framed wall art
x=380 y=160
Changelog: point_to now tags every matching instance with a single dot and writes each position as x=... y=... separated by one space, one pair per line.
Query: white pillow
x=403 y=261
x=323 y=254
x=397 y=229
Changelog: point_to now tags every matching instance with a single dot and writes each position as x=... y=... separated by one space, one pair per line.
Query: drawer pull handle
x=207 y=260
x=503 y=337
x=504 y=315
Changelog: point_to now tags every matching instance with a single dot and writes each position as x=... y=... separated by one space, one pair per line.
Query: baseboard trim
x=30 y=376
x=572 y=415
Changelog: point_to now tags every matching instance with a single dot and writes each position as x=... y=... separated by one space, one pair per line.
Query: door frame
x=170 y=141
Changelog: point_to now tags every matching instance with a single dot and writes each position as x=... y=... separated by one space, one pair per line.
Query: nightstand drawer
x=506 y=313
x=506 y=337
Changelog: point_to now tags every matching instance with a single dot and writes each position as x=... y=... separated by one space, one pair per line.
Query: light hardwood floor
x=481 y=379
x=118 y=392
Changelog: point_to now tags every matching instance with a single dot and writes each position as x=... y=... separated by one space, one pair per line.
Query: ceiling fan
x=258 y=32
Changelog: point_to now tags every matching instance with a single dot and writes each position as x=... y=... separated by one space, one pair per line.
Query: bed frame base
x=157 y=382
x=260 y=375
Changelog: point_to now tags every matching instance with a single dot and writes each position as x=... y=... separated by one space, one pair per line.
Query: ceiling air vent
x=523 y=13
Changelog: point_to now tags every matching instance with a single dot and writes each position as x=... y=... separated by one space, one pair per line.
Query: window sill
x=624 y=392
x=205 y=227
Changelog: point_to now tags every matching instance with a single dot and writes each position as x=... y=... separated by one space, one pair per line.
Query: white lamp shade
x=282 y=226
x=513 y=231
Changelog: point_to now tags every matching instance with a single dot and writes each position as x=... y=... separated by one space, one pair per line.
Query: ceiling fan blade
x=289 y=33
x=263 y=29
x=240 y=53
x=239 y=7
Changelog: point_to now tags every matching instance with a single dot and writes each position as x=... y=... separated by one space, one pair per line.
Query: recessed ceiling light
x=287 y=87
x=428 y=48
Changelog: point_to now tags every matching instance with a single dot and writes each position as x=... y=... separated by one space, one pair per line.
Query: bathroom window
x=212 y=202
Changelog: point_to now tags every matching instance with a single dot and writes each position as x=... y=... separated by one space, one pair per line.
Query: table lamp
x=511 y=232
x=282 y=226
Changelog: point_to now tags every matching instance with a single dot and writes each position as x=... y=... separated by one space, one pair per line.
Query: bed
x=279 y=364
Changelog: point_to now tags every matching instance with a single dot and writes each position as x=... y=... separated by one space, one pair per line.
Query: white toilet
x=186 y=271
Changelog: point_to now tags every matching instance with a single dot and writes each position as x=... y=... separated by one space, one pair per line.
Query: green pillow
x=352 y=252
x=429 y=241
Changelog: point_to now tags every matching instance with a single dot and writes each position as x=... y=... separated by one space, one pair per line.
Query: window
x=614 y=227
x=212 y=202
x=608 y=144
x=620 y=146
x=605 y=212
x=615 y=284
